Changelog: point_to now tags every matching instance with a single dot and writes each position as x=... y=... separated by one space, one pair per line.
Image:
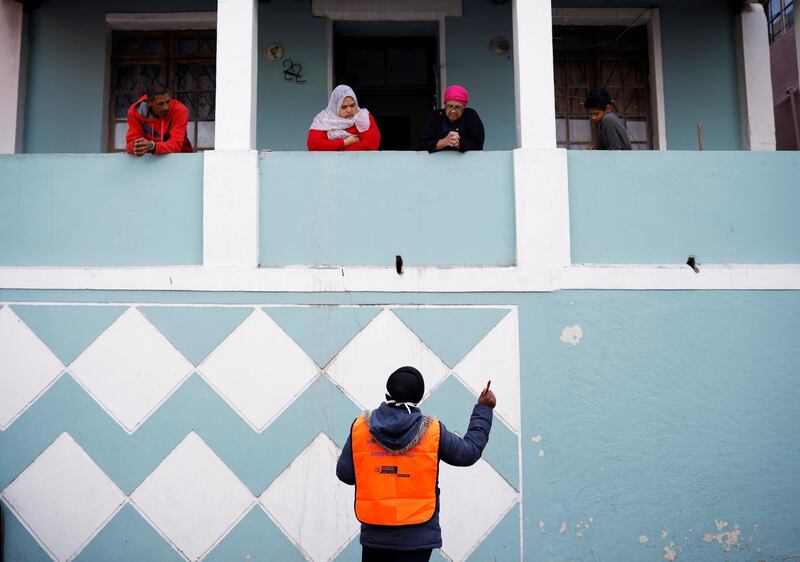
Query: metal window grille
x=185 y=61
x=780 y=16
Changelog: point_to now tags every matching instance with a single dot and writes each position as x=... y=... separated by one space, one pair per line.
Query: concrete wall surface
x=721 y=207
x=101 y=210
x=364 y=209
x=630 y=425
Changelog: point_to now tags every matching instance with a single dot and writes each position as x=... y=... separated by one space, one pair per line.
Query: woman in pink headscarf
x=456 y=127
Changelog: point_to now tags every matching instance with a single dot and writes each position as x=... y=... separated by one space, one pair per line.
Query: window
x=610 y=57
x=780 y=16
x=185 y=61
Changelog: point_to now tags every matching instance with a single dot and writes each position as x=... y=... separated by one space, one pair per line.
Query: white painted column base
x=758 y=118
x=230 y=208
x=541 y=192
x=11 y=18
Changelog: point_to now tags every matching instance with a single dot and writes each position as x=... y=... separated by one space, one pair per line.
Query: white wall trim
x=230 y=208
x=755 y=79
x=237 y=74
x=369 y=10
x=11 y=76
x=415 y=280
x=150 y=21
x=541 y=203
x=627 y=16
x=534 y=86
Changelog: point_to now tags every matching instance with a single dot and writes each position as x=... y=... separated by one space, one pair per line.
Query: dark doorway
x=392 y=67
x=615 y=58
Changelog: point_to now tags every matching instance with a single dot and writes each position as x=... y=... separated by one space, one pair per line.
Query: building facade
x=185 y=340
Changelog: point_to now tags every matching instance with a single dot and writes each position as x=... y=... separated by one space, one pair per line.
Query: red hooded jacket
x=168 y=132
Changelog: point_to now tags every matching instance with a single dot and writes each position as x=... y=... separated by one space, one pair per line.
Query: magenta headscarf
x=456 y=93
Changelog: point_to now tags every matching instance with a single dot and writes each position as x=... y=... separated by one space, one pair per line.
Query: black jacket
x=437 y=126
x=395 y=428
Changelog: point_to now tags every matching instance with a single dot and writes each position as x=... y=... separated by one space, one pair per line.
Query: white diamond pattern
x=362 y=367
x=63 y=497
x=259 y=369
x=130 y=369
x=27 y=366
x=472 y=501
x=311 y=505
x=193 y=498
x=496 y=357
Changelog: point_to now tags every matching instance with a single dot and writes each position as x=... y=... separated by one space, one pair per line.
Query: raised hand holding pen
x=487 y=397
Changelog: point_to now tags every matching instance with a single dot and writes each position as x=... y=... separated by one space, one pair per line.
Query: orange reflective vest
x=395 y=488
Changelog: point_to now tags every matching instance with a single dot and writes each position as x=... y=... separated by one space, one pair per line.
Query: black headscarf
x=405 y=385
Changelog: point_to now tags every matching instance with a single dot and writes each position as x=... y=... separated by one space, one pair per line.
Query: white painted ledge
x=413 y=280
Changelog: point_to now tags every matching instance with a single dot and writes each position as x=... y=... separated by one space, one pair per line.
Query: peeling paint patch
x=541 y=452
x=644 y=539
x=536 y=438
x=572 y=334
x=563 y=528
x=664 y=534
x=670 y=553
x=582 y=526
x=728 y=539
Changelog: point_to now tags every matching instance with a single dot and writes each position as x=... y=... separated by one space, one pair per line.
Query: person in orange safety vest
x=392 y=457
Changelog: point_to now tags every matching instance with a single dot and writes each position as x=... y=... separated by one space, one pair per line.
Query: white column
x=237 y=46
x=230 y=171
x=533 y=73
x=758 y=118
x=10 y=61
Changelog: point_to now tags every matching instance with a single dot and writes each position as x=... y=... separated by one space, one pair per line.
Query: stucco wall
x=654 y=425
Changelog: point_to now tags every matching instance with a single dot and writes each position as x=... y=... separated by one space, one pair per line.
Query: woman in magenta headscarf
x=455 y=127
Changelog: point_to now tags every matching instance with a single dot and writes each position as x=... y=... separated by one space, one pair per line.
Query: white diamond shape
x=63 y=497
x=311 y=505
x=27 y=366
x=363 y=366
x=192 y=497
x=472 y=501
x=258 y=369
x=496 y=357
x=130 y=369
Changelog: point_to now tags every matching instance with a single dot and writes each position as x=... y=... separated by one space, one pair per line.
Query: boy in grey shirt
x=611 y=131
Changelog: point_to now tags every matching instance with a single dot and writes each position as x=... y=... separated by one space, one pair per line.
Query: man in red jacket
x=157 y=124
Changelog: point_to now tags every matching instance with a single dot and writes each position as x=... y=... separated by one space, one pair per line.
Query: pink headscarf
x=456 y=93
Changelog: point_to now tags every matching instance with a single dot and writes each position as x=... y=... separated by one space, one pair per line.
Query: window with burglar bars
x=610 y=57
x=780 y=16
x=184 y=61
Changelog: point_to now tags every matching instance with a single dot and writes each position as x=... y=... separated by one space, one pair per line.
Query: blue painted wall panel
x=489 y=78
x=670 y=427
x=723 y=207
x=286 y=107
x=101 y=210
x=364 y=208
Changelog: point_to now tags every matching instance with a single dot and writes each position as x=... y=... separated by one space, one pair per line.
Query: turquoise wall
x=67 y=81
x=722 y=207
x=700 y=77
x=358 y=209
x=286 y=108
x=669 y=427
x=101 y=210
x=489 y=78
